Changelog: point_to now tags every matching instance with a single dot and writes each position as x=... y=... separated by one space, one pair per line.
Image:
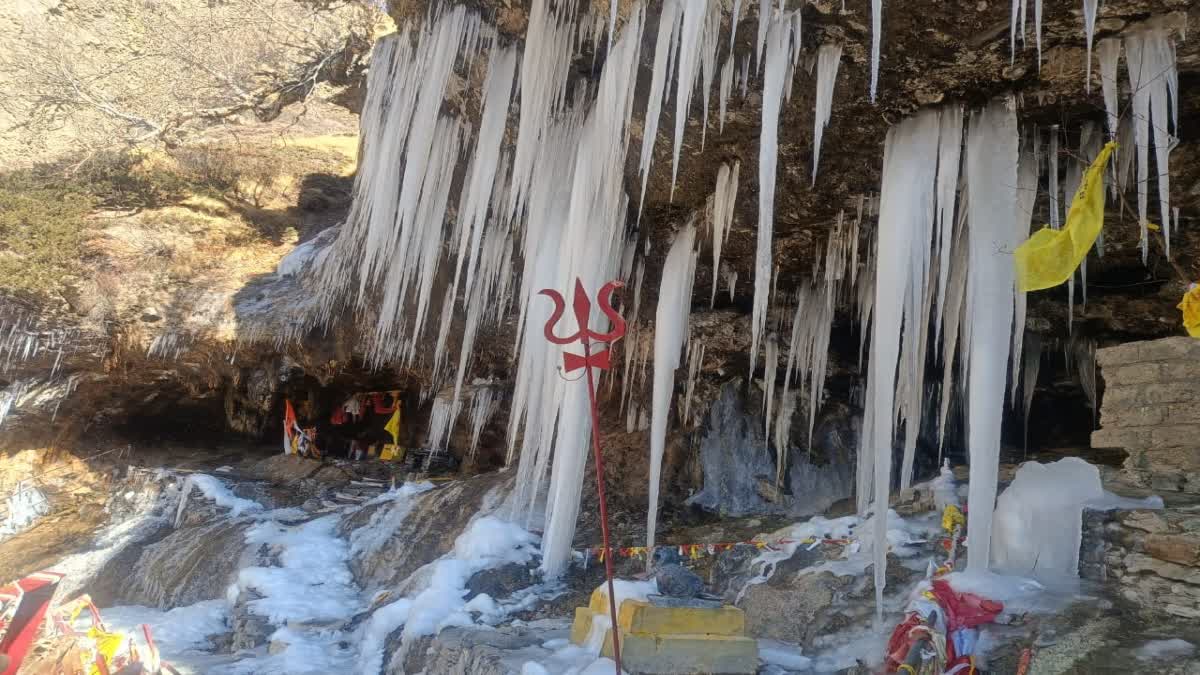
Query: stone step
x=650 y=654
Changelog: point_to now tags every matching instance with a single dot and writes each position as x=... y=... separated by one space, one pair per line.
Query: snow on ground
x=223 y=496
x=782 y=655
x=487 y=542
x=181 y=634
x=386 y=520
x=314 y=582
x=1165 y=649
x=561 y=656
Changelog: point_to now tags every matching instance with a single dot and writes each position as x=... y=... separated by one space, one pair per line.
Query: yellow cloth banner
x=393 y=425
x=1190 y=305
x=1050 y=257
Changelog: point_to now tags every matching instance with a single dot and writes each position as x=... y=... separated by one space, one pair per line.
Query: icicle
x=1109 y=51
x=772 y=363
x=1027 y=180
x=1012 y=31
x=1089 y=30
x=691 y=29
x=876 y=29
x=612 y=22
x=1033 y=362
x=574 y=229
x=724 y=203
x=992 y=183
x=726 y=89
x=745 y=76
x=906 y=207
x=777 y=43
x=949 y=159
x=829 y=56
x=670 y=329
x=733 y=25
x=662 y=65
x=1037 y=27
x=483 y=406
x=694 y=367
x=764 y=23
x=1052 y=185
x=731 y=278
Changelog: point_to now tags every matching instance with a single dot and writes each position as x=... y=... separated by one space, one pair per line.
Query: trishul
x=583 y=308
x=585 y=335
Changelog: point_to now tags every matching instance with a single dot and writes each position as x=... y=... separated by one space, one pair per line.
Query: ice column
x=670 y=331
x=992 y=210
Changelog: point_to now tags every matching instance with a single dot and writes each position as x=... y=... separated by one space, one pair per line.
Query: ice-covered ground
x=309 y=594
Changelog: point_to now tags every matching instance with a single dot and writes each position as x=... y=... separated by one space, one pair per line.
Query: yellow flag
x=1050 y=257
x=1190 y=305
x=393 y=425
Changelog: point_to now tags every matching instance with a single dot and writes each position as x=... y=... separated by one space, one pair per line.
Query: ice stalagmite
x=670 y=331
x=876 y=29
x=829 y=56
x=992 y=209
x=777 y=43
x=906 y=207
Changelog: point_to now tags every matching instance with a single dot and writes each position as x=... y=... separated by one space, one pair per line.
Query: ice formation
x=829 y=56
x=1090 y=8
x=992 y=210
x=1038 y=523
x=1109 y=52
x=906 y=209
x=723 y=206
x=25 y=505
x=1154 y=81
x=670 y=332
x=777 y=38
x=876 y=29
x=658 y=89
x=917 y=238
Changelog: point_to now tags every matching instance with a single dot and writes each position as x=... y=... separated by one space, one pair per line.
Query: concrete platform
x=669 y=640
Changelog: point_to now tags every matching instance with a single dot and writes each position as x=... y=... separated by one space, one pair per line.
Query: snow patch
x=1165 y=649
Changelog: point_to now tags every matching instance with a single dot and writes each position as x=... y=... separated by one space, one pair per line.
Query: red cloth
x=339 y=416
x=964 y=610
x=377 y=403
x=33 y=595
x=900 y=642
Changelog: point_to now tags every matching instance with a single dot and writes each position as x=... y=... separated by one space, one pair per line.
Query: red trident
x=601 y=360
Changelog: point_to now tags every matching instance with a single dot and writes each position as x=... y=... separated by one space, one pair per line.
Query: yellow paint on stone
x=642 y=617
x=672 y=639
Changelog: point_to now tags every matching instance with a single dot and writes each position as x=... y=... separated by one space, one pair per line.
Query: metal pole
x=608 y=570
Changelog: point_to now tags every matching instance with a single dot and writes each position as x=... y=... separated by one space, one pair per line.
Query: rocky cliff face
x=222 y=340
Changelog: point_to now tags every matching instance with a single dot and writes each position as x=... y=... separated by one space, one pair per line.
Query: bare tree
x=111 y=72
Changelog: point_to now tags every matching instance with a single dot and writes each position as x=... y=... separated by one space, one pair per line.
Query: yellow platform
x=669 y=640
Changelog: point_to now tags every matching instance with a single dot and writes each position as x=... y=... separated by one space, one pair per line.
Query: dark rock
x=501 y=582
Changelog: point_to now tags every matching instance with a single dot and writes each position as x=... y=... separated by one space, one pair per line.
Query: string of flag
x=696 y=551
